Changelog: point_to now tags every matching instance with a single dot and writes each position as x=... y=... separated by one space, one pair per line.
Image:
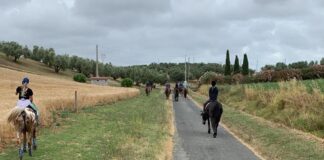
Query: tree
x=268 y=67
x=49 y=57
x=12 y=49
x=228 y=64
x=60 y=63
x=236 y=65
x=26 y=52
x=280 y=66
x=299 y=65
x=322 y=61
x=245 y=65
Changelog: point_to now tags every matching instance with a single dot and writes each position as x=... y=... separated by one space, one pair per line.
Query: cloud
x=144 y=31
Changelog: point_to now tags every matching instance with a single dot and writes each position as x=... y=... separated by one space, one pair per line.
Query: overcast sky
x=143 y=31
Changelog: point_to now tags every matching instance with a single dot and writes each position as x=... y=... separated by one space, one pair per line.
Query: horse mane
x=14 y=113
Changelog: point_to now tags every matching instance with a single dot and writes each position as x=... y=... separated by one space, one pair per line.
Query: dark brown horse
x=148 y=90
x=212 y=114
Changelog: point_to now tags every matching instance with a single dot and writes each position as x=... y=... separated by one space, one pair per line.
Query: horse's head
x=204 y=116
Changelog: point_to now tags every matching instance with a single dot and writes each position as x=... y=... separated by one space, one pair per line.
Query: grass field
x=52 y=94
x=296 y=104
x=268 y=139
x=132 y=129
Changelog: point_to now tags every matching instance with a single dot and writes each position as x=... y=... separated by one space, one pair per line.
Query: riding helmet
x=25 y=80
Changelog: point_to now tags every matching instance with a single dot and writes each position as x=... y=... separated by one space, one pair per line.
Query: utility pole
x=97 y=70
x=186 y=68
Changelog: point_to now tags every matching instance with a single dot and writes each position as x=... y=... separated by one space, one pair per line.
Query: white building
x=103 y=81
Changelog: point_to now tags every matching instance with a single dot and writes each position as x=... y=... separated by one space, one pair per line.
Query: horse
x=167 y=92
x=185 y=92
x=24 y=121
x=148 y=89
x=176 y=94
x=212 y=114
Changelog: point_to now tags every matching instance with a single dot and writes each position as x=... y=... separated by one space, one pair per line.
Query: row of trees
x=295 y=65
x=229 y=70
x=158 y=73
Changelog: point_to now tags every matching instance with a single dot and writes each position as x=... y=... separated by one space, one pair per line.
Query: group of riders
x=212 y=109
x=179 y=88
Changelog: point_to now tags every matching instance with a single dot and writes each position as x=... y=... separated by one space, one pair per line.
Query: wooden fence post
x=76 y=101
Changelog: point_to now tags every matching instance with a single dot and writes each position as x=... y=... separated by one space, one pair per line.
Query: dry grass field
x=52 y=94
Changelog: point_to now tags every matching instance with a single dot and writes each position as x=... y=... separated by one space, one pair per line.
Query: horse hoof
x=30 y=152
x=208 y=131
x=34 y=147
x=20 y=153
x=214 y=135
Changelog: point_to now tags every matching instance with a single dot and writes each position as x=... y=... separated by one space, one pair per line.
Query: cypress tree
x=245 y=66
x=236 y=65
x=227 y=64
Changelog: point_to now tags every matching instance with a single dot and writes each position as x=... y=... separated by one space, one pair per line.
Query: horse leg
x=208 y=126
x=30 y=137
x=25 y=142
x=34 y=140
x=20 y=150
x=214 y=124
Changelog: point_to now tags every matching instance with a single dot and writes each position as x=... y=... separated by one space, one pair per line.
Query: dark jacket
x=213 y=93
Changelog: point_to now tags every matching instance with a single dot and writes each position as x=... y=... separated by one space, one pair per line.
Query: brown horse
x=185 y=92
x=24 y=121
x=167 y=92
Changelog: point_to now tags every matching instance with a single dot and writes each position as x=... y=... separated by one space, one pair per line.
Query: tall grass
x=51 y=94
x=295 y=104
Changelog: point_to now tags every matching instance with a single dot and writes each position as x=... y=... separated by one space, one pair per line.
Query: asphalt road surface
x=192 y=142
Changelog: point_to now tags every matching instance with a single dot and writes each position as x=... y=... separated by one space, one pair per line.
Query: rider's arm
x=18 y=90
x=31 y=95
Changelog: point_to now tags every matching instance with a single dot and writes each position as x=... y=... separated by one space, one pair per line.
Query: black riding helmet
x=213 y=83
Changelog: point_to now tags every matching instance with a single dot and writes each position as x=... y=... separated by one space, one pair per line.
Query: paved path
x=192 y=142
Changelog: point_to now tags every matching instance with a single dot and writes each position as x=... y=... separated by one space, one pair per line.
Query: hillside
x=34 y=67
x=53 y=94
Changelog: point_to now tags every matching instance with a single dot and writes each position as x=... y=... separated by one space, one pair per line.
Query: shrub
x=237 y=78
x=127 y=82
x=207 y=77
x=80 y=77
x=314 y=72
x=286 y=75
x=265 y=76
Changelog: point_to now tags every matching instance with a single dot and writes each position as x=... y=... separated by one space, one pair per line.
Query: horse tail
x=14 y=113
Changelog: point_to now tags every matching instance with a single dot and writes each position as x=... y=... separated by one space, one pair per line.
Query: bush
x=80 y=78
x=286 y=75
x=313 y=72
x=127 y=82
x=265 y=76
x=207 y=77
x=237 y=78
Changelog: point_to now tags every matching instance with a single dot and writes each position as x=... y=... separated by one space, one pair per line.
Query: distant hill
x=31 y=66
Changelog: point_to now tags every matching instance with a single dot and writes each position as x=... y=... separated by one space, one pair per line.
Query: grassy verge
x=133 y=129
x=296 y=104
x=270 y=140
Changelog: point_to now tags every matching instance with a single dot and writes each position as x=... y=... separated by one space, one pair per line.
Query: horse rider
x=213 y=94
x=176 y=91
x=167 y=86
x=25 y=98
